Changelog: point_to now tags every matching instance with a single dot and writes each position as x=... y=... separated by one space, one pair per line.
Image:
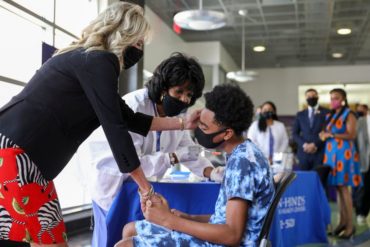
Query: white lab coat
x=261 y=139
x=107 y=178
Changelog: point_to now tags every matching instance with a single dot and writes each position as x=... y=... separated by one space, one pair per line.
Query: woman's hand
x=180 y=214
x=191 y=119
x=155 y=198
x=157 y=210
x=325 y=135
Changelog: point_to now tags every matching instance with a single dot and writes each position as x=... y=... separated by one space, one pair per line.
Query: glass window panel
x=356 y=93
x=62 y=39
x=7 y=91
x=75 y=18
x=44 y=8
x=21 y=56
x=20 y=47
x=73 y=183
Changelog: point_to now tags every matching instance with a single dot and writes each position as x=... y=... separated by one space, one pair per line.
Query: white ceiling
x=295 y=32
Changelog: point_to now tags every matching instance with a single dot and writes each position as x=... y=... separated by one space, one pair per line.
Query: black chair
x=283 y=182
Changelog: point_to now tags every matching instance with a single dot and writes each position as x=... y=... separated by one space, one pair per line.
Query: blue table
x=303 y=213
x=301 y=217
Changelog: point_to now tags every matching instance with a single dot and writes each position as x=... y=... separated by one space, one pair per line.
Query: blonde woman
x=71 y=95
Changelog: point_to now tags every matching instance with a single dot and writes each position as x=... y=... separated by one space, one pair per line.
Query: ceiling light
x=242 y=12
x=344 y=31
x=337 y=55
x=259 y=48
x=242 y=75
x=199 y=19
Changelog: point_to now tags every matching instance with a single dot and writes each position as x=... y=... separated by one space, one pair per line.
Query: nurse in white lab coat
x=176 y=84
x=268 y=133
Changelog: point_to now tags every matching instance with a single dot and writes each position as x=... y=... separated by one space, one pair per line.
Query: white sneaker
x=361 y=220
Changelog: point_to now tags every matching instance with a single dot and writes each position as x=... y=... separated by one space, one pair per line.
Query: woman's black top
x=69 y=97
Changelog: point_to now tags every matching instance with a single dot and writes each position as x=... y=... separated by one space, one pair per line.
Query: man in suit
x=306 y=129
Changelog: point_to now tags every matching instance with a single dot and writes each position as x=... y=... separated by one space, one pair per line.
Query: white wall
x=226 y=61
x=164 y=42
x=281 y=85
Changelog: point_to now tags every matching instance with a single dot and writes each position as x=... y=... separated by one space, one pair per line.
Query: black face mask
x=172 y=106
x=268 y=115
x=131 y=56
x=206 y=140
x=312 y=101
x=360 y=113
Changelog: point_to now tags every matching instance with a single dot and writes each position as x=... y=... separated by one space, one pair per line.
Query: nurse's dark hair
x=175 y=71
x=231 y=105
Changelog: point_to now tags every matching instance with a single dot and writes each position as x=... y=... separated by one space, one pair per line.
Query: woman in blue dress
x=342 y=157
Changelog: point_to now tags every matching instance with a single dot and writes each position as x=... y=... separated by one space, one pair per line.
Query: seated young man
x=246 y=191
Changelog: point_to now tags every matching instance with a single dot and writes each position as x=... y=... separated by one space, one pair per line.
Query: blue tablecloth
x=301 y=217
x=303 y=213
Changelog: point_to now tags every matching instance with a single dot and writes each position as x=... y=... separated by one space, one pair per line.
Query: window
x=25 y=24
x=21 y=49
x=44 y=8
x=75 y=15
x=7 y=91
x=356 y=93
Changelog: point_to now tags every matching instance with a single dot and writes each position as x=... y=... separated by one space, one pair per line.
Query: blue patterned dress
x=341 y=155
x=247 y=176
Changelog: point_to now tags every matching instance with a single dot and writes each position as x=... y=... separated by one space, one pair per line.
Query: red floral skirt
x=29 y=206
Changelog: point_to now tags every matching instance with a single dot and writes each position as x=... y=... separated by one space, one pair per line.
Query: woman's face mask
x=268 y=114
x=206 y=140
x=312 y=101
x=335 y=104
x=172 y=106
x=131 y=56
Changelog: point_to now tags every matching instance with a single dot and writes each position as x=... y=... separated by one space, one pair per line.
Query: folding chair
x=280 y=186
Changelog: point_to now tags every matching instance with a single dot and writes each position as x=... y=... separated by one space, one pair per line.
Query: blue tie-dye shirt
x=247 y=176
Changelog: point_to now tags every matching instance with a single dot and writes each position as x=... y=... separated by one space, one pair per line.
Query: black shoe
x=344 y=236
x=338 y=230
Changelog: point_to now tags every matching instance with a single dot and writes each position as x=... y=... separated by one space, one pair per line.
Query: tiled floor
x=361 y=238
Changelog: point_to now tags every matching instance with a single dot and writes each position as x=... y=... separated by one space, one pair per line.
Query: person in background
x=268 y=133
x=341 y=155
x=361 y=195
x=257 y=113
x=176 y=84
x=73 y=93
x=307 y=126
x=245 y=194
x=361 y=110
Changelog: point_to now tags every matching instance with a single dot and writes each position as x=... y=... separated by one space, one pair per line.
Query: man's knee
x=129 y=230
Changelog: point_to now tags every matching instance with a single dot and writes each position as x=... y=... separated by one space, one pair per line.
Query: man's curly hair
x=232 y=107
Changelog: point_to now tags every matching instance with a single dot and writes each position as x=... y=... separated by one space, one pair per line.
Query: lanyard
x=158 y=133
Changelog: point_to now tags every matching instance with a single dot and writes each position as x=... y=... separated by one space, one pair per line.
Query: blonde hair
x=122 y=24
